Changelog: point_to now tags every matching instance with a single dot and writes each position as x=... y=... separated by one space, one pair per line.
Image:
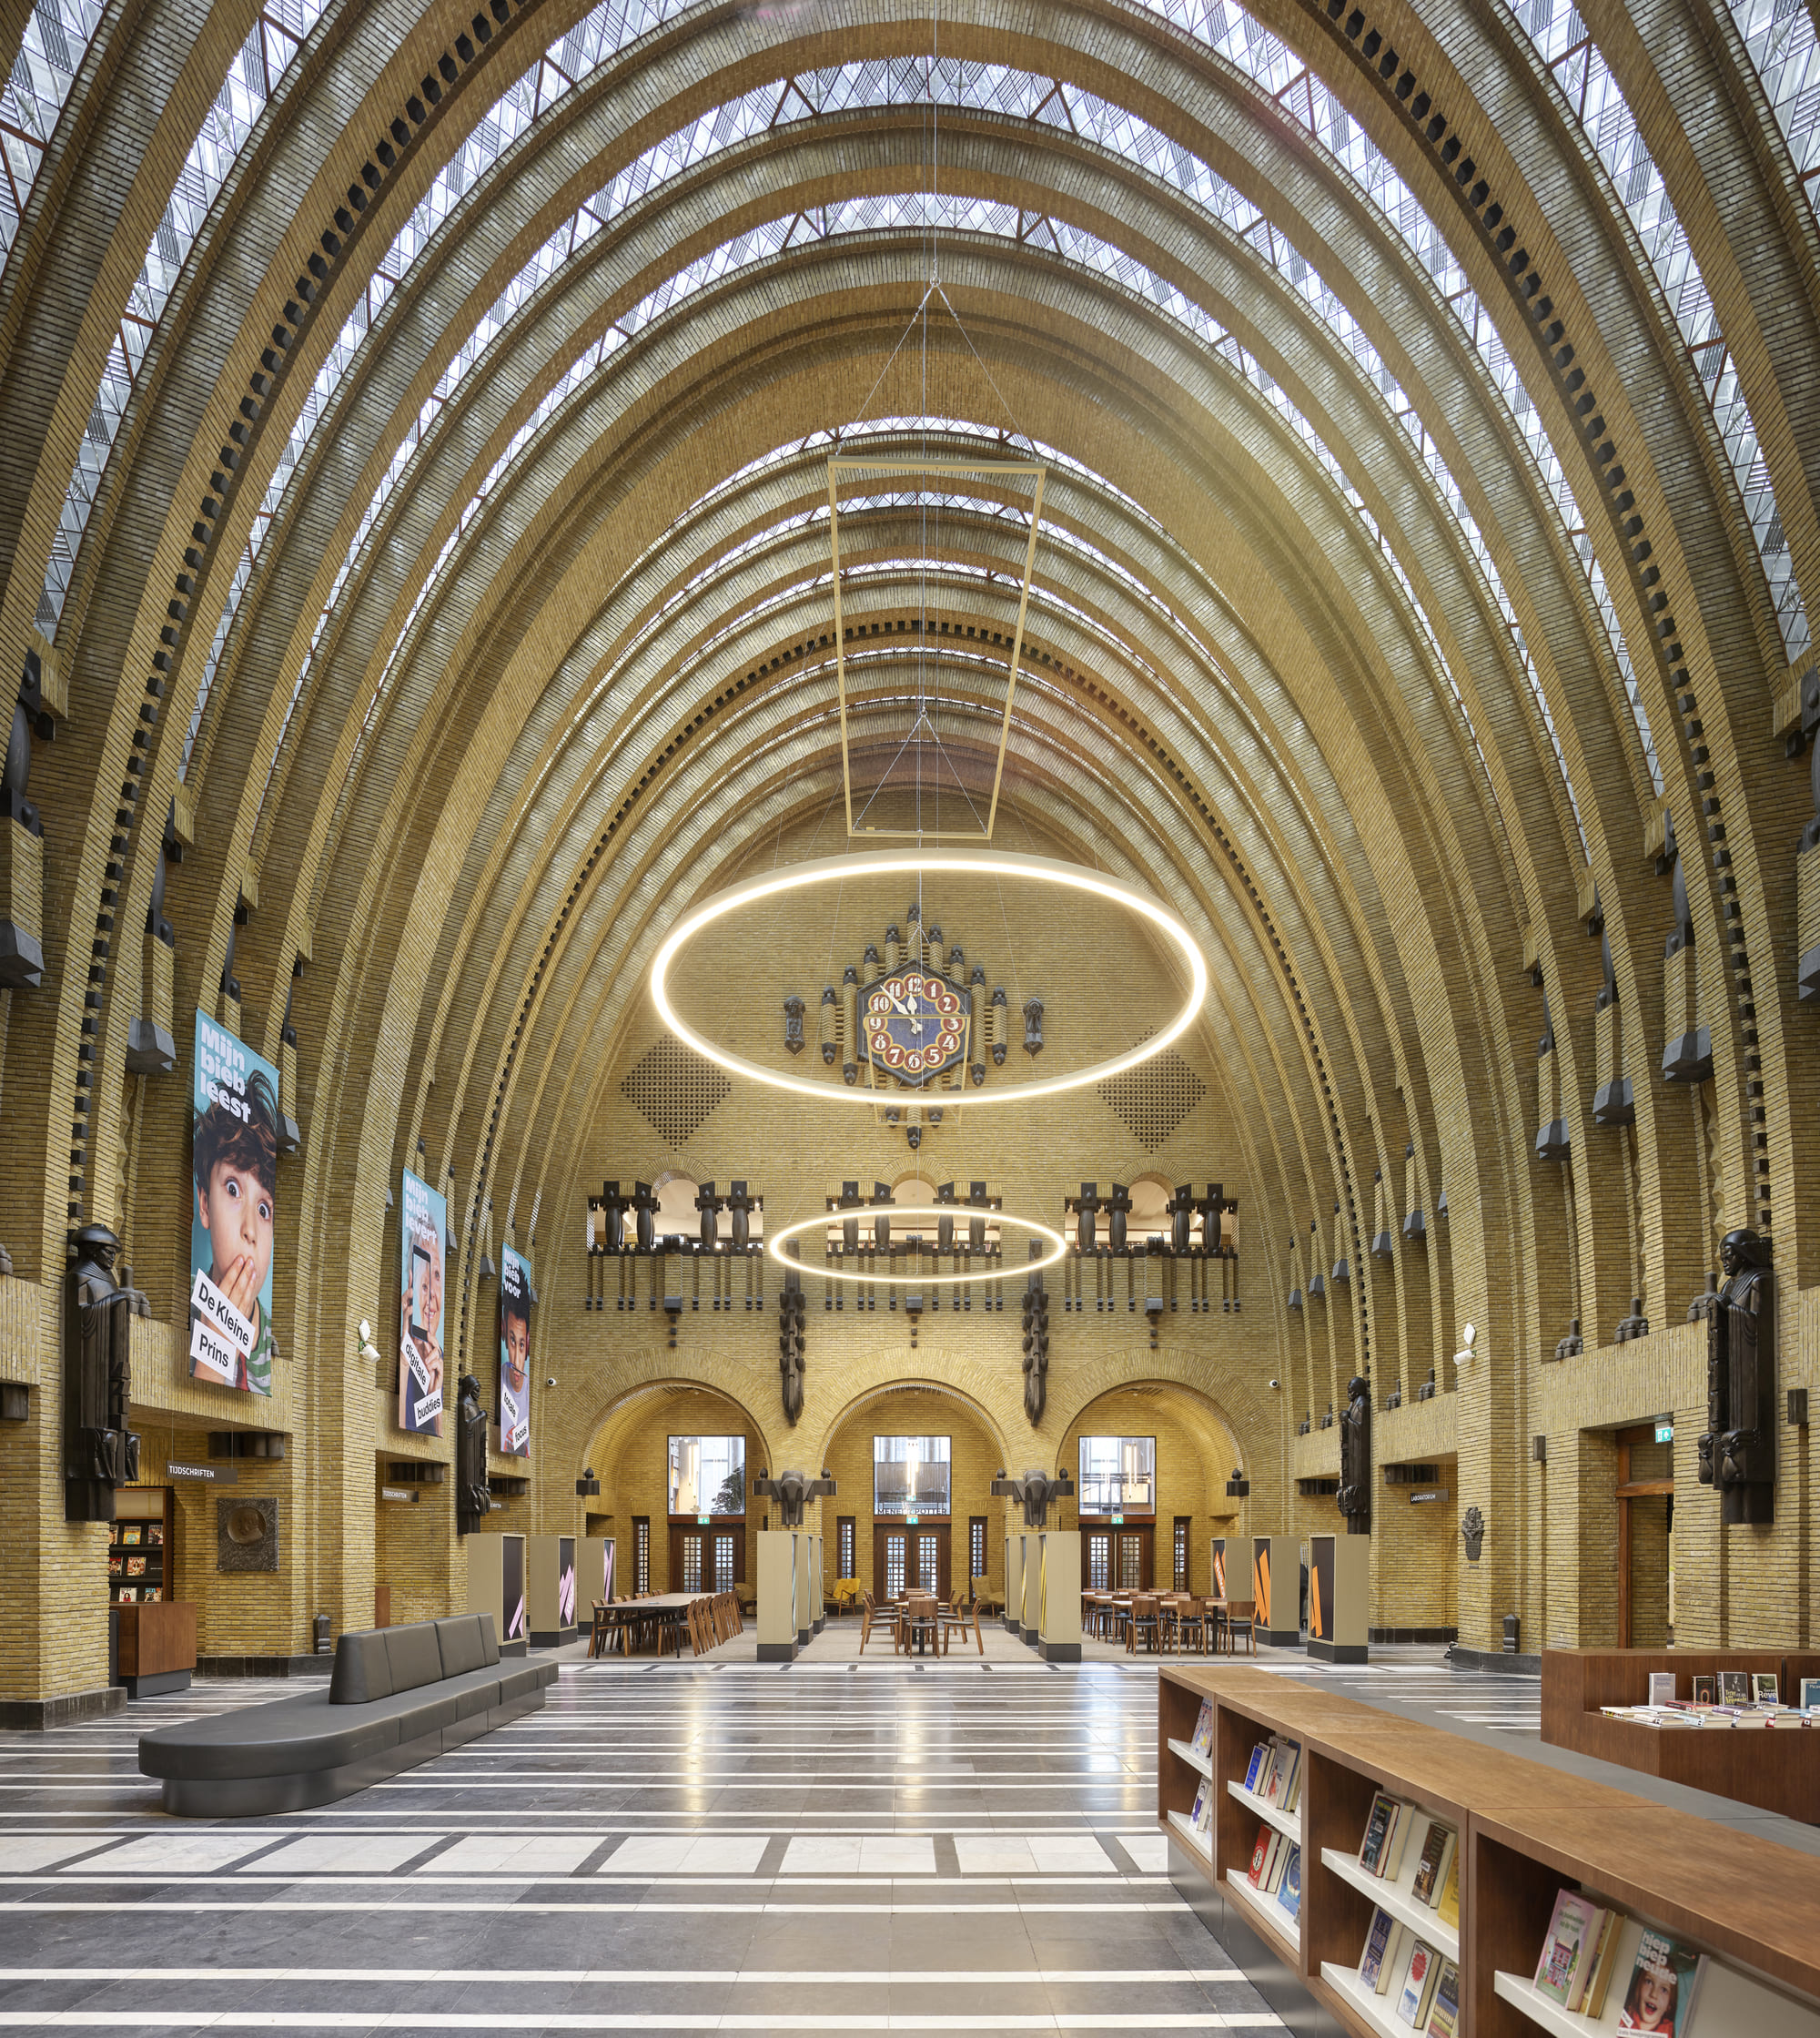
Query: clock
x=915 y=1025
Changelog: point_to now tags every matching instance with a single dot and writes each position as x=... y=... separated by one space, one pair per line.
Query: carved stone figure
x=100 y=1453
x=1737 y=1454
x=1355 y=1459
x=790 y=1323
x=1473 y=1531
x=473 y=1496
x=793 y=1491
x=1035 y=1491
x=1035 y=1347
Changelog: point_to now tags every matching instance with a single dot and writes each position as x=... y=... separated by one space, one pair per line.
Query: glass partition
x=707 y=1474
x=910 y=1474
x=1117 y=1476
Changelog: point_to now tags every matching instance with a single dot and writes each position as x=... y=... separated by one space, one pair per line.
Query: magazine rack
x=1525 y=1832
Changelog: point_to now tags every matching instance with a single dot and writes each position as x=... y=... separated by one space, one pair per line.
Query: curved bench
x=397 y=1697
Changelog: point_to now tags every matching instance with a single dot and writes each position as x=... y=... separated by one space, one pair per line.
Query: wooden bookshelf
x=1777 y=1769
x=1526 y=1831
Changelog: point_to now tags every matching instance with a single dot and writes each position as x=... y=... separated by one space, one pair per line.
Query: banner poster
x=514 y=1354
x=421 y=1238
x=233 y=1146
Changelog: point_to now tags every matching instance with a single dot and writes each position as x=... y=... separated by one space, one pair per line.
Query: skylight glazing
x=915 y=211
x=252 y=77
x=989 y=88
x=55 y=41
x=1779 y=36
x=1562 y=39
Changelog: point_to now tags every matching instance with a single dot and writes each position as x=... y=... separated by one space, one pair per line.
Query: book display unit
x=151 y=1636
x=1431 y=1869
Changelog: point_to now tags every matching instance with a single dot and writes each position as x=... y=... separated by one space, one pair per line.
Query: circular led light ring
x=971 y=863
x=996 y=1270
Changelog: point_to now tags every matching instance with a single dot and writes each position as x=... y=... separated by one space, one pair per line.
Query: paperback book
x=1765 y=1688
x=1422 y=1970
x=1375 y=1965
x=1447 y=1908
x=1662 y=1687
x=1379 y=1849
x=1443 y=2018
x=1265 y=1857
x=1260 y=1756
x=1567 y=1951
x=1705 y=1691
x=1433 y=1862
x=1203 y=1734
x=1735 y=1688
x=1289 y=1889
x=1664 y=1987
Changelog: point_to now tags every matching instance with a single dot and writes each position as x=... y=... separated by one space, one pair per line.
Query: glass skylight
x=55 y=41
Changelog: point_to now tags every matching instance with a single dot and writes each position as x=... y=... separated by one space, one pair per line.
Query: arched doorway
x=914 y=1465
x=675 y=1460
x=1150 y=1461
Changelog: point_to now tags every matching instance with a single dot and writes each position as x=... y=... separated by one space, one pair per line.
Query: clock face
x=915 y=1025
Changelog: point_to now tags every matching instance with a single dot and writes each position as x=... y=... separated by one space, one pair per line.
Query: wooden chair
x=921 y=1622
x=1144 y=1623
x=1242 y=1618
x=871 y=1616
x=1191 y=1618
x=962 y=1616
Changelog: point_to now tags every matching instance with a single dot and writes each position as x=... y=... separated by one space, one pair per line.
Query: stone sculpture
x=1355 y=1457
x=1737 y=1454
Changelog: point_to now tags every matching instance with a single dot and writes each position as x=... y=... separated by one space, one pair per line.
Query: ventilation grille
x=1152 y=1101
x=676 y=1089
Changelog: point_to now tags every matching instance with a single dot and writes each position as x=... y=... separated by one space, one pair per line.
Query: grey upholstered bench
x=397 y=1697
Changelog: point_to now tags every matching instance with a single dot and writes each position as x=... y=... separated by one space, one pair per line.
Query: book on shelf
x=1810 y=1694
x=135 y=1566
x=1199 y=1804
x=1765 y=1688
x=1567 y=1951
x=1203 y=1742
x=155 y=1533
x=1433 y=1862
x=152 y=1592
x=1443 y=2019
x=1267 y=1866
x=1604 y=1958
x=1376 y=1963
x=1662 y=1687
x=129 y=1536
x=1289 y=1889
x=1385 y=1826
x=1254 y=1769
x=1735 y=1688
x=1706 y=1691
x=1447 y=1905
x=1415 y=1994
x=1286 y=1776
x=115 y=1563
x=128 y=1595
x=1664 y=1987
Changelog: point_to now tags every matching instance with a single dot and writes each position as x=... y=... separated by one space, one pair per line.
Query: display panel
x=234 y=1168
x=1117 y=1476
x=910 y=1474
x=565 y=1581
x=420 y=1245
x=514 y=1402
x=707 y=1475
x=511 y=1565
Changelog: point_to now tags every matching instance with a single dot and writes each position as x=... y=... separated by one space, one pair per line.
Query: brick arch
x=609 y=1424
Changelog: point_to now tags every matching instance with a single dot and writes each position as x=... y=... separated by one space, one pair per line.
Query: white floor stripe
x=576 y=1977
x=584 y=1907
x=784 y=2020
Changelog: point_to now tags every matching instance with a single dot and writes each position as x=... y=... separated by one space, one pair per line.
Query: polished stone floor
x=716 y=1846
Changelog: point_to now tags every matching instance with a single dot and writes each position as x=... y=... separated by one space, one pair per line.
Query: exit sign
x=1118 y=1521
x=703 y=1521
x=1664 y=1433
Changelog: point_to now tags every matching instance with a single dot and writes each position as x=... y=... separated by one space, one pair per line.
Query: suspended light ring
x=994 y=1270
x=966 y=863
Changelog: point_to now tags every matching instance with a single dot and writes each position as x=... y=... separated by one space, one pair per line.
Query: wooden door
x=1646 y=1526
x=890 y=1558
x=927 y=1559
x=1134 y=1558
x=1098 y=1552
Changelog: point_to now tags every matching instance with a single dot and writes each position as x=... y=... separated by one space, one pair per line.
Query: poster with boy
x=233 y=1139
x=514 y=1354
x=425 y=1226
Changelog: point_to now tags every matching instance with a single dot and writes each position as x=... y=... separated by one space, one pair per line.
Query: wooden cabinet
x=155 y=1634
x=1526 y=1831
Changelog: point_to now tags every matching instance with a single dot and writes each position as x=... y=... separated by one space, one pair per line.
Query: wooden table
x=669 y=1611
